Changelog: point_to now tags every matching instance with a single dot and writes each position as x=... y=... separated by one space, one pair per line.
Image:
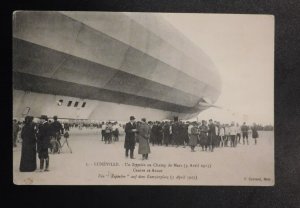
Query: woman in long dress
x=143 y=133
x=28 y=155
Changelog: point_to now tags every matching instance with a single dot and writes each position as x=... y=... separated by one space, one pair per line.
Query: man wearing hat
x=176 y=131
x=211 y=135
x=43 y=141
x=130 y=130
x=143 y=138
x=56 y=129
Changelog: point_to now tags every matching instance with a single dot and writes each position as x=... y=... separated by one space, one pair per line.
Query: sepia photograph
x=137 y=98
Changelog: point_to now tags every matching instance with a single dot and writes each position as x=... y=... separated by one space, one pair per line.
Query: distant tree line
x=265 y=128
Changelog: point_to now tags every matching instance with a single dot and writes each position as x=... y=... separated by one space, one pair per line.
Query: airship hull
x=127 y=63
x=37 y=104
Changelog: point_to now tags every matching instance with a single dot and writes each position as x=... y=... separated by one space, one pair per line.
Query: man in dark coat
x=254 y=133
x=166 y=133
x=130 y=130
x=185 y=134
x=181 y=133
x=203 y=136
x=159 y=133
x=43 y=141
x=153 y=134
x=176 y=132
x=211 y=135
x=245 y=129
x=56 y=129
x=193 y=134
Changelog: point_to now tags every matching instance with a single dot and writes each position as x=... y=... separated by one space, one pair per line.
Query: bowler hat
x=132 y=118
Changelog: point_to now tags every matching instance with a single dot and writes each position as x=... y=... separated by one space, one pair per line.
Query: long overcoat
x=143 y=137
x=176 y=133
x=28 y=154
x=254 y=132
x=130 y=136
x=43 y=136
x=193 y=136
x=203 y=135
x=211 y=134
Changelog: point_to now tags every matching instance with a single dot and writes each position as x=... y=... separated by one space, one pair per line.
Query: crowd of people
x=208 y=135
x=39 y=138
x=109 y=132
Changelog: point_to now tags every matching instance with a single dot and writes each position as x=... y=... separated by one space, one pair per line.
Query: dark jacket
x=56 y=127
x=130 y=136
x=254 y=132
x=211 y=130
x=43 y=136
x=28 y=134
x=244 y=129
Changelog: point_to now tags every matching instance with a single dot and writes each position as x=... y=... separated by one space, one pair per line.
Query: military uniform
x=166 y=131
x=176 y=133
x=245 y=129
x=203 y=137
x=211 y=136
x=193 y=137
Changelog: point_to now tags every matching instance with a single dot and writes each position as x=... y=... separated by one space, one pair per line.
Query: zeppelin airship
x=108 y=66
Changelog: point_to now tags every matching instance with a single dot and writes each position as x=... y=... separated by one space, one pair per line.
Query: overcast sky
x=242 y=48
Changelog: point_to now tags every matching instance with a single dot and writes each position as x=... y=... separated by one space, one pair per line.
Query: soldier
x=43 y=141
x=115 y=130
x=130 y=130
x=245 y=129
x=185 y=134
x=222 y=135
x=108 y=133
x=166 y=131
x=193 y=134
x=203 y=136
x=232 y=135
x=217 y=137
x=103 y=127
x=159 y=133
x=153 y=134
x=238 y=133
x=211 y=135
x=254 y=133
x=176 y=132
x=56 y=129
